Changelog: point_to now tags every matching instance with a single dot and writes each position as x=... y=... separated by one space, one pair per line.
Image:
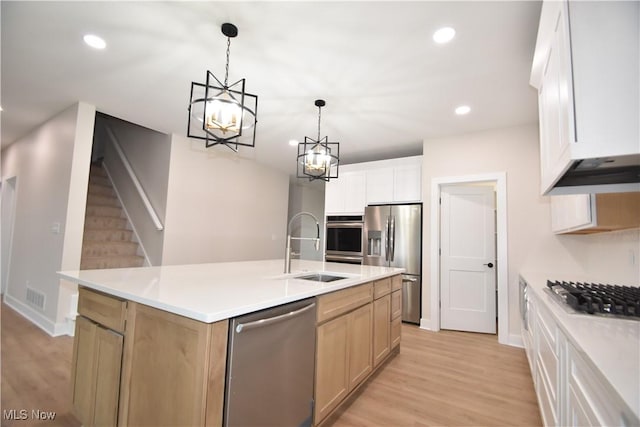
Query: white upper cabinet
x=594 y=213
x=380 y=185
x=345 y=194
x=394 y=181
x=384 y=181
x=585 y=68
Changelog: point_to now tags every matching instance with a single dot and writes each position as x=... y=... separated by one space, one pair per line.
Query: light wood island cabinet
x=396 y=310
x=97 y=357
x=127 y=372
x=135 y=365
x=343 y=346
x=381 y=322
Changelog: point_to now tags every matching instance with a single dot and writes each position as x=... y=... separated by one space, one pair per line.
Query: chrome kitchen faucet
x=288 y=253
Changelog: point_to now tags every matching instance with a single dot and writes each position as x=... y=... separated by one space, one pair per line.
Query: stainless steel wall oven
x=344 y=239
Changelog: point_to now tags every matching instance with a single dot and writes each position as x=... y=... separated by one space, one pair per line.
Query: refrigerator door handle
x=386 y=240
x=392 y=237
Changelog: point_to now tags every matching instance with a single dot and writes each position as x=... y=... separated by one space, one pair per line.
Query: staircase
x=108 y=241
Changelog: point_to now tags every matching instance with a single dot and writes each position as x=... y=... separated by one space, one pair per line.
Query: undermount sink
x=319 y=277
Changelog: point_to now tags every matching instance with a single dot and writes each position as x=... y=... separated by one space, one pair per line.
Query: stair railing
x=136 y=182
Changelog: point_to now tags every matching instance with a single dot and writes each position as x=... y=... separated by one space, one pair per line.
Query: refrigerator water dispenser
x=374 y=243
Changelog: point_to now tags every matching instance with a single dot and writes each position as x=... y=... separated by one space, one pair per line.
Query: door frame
x=8 y=188
x=499 y=179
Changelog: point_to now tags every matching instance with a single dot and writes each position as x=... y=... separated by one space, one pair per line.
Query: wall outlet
x=55 y=228
x=632 y=257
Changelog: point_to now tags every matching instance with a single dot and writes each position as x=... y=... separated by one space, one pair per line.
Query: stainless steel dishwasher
x=270 y=370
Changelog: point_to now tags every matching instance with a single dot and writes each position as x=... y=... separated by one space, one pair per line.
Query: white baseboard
x=425 y=324
x=40 y=320
x=515 y=340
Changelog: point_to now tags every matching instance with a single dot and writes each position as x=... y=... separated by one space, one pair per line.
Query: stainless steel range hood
x=600 y=175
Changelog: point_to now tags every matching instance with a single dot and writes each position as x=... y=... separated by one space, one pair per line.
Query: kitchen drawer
x=105 y=310
x=547 y=325
x=593 y=397
x=396 y=283
x=339 y=302
x=396 y=304
x=381 y=287
x=545 y=400
x=396 y=325
x=548 y=361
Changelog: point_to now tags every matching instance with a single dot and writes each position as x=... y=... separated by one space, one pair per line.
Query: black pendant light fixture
x=318 y=158
x=223 y=113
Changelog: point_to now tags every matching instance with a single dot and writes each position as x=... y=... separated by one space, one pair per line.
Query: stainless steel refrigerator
x=392 y=236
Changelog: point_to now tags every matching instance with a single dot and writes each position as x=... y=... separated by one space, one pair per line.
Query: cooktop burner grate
x=595 y=298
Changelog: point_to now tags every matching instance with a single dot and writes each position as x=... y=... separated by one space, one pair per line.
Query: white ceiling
x=387 y=85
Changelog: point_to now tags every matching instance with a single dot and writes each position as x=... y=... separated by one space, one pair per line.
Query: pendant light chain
x=319 y=115
x=226 y=70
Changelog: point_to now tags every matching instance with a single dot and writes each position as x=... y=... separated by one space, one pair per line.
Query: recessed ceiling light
x=444 y=35
x=95 y=41
x=293 y=142
x=462 y=110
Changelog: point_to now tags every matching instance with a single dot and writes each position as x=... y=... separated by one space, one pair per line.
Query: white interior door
x=467 y=260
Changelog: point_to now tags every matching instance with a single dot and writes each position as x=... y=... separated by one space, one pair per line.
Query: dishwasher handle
x=271 y=320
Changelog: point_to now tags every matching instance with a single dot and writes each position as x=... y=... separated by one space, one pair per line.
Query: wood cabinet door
x=381 y=328
x=107 y=378
x=332 y=369
x=97 y=363
x=166 y=360
x=360 y=343
x=83 y=376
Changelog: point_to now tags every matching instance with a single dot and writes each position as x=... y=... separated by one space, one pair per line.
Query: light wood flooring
x=445 y=378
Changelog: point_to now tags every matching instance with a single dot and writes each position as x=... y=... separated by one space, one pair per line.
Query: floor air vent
x=35 y=298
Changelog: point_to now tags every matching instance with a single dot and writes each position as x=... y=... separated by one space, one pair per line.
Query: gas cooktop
x=599 y=299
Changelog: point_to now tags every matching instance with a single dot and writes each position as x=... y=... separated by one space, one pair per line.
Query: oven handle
x=342 y=258
x=344 y=224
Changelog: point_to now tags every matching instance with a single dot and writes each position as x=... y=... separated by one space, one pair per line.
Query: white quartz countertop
x=217 y=291
x=612 y=345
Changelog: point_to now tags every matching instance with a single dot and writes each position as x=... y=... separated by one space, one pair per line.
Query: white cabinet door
x=589 y=401
x=396 y=183
x=407 y=183
x=334 y=196
x=555 y=102
x=586 y=74
x=572 y=212
x=380 y=185
x=354 y=192
x=346 y=194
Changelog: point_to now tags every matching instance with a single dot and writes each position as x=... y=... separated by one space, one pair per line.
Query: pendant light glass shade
x=318 y=158
x=221 y=113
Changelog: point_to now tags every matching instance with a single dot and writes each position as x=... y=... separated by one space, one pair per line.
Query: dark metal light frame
x=318 y=146
x=202 y=95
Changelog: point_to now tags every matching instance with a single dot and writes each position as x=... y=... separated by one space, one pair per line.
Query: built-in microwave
x=344 y=239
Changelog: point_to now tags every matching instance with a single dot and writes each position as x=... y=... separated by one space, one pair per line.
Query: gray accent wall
x=149 y=153
x=222 y=206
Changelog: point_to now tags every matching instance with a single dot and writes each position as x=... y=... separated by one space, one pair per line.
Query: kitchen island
x=151 y=343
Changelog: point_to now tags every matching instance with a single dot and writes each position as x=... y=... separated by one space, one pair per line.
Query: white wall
x=149 y=153
x=530 y=241
x=51 y=166
x=222 y=207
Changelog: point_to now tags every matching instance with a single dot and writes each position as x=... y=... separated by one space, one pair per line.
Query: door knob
x=490 y=265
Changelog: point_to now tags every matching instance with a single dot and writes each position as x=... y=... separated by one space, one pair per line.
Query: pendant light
x=223 y=113
x=318 y=158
